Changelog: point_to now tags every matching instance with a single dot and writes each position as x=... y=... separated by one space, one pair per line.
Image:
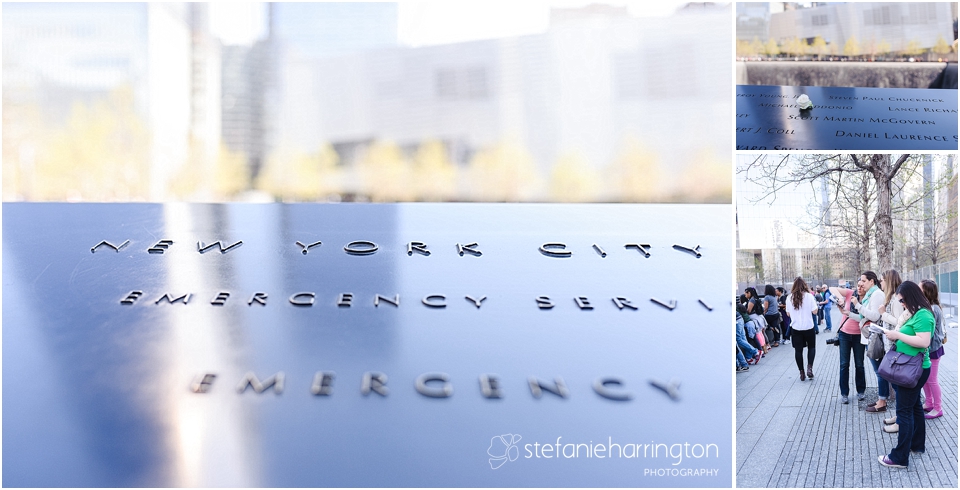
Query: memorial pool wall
x=838 y=74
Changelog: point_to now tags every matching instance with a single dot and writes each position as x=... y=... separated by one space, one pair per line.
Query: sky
x=424 y=23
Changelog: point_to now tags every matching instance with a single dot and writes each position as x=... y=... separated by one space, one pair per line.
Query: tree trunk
x=882 y=173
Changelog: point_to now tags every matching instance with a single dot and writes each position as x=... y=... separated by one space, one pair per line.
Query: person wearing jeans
x=850 y=340
x=912 y=339
x=753 y=355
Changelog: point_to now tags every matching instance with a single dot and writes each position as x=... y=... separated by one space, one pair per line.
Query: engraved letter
x=345 y=299
x=600 y=386
x=600 y=250
x=418 y=247
x=130 y=298
x=376 y=382
x=490 y=386
x=544 y=302
x=537 y=387
x=443 y=392
x=643 y=248
x=476 y=301
x=305 y=248
x=160 y=247
x=259 y=298
x=250 y=379
x=302 y=299
x=622 y=303
x=435 y=301
x=203 y=384
x=323 y=383
x=220 y=299
x=555 y=250
x=219 y=244
x=116 y=248
x=170 y=299
x=361 y=247
x=395 y=301
x=470 y=248
x=583 y=303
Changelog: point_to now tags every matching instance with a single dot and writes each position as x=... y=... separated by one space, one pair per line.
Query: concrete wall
x=838 y=74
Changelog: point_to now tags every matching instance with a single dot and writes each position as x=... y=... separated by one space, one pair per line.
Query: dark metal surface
x=108 y=383
x=846 y=118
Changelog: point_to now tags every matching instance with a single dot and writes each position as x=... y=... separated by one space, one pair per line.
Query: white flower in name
x=804 y=102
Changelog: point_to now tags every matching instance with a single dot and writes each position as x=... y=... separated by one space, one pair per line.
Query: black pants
x=773 y=326
x=801 y=339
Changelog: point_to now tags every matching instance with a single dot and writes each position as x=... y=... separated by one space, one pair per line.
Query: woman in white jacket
x=887 y=317
x=868 y=306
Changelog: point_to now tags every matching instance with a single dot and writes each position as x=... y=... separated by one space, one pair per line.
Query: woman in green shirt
x=912 y=338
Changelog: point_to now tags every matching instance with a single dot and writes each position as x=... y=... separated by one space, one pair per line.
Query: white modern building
x=594 y=78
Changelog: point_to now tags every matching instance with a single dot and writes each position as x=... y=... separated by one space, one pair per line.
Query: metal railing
x=945 y=275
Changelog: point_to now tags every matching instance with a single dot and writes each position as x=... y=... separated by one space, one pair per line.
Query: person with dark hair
x=755 y=312
x=771 y=313
x=931 y=390
x=784 y=319
x=801 y=306
x=912 y=339
x=849 y=339
x=752 y=355
x=889 y=312
x=827 y=305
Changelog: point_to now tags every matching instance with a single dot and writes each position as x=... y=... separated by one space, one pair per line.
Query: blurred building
x=870 y=23
x=594 y=78
x=753 y=20
x=57 y=55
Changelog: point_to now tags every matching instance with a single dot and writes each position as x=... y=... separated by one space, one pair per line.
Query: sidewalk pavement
x=798 y=434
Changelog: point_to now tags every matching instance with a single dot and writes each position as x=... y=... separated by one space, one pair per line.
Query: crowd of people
x=882 y=317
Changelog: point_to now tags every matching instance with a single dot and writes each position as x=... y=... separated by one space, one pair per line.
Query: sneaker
x=884 y=460
x=890 y=421
x=742 y=369
x=892 y=428
x=861 y=396
x=844 y=400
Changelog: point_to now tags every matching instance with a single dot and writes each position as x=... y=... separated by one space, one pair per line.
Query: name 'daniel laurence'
x=364 y=247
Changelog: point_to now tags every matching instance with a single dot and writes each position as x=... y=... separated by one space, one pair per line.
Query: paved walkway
x=798 y=434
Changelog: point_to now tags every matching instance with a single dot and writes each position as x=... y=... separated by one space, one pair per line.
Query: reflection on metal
x=600 y=386
x=694 y=250
x=555 y=249
x=345 y=299
x=250 y=379
x=599 y=250
x=544 y=303
x=306 y=248
x=203 y=384
x=644 y=248
x=184 y=298
x=444 y=391
x=622 y=303
x=476 y=302
x=307 y=300
x=220 y=298
x=432 y=301
x=672 y=389
x=470 y=248
x=583 y=303
x=323 y=383
x=258 y=297
x=395 y=301
x=361 y=247
x=537 y=387
x=160 y=247
x=670 y=306
x=116 y=248
x=490 y=386
x=375 y=382
x=219 y=244
x=419 y=247
x=705 y=305
x=131 y=297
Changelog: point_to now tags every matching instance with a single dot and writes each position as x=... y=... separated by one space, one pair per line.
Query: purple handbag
x=901 y=369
